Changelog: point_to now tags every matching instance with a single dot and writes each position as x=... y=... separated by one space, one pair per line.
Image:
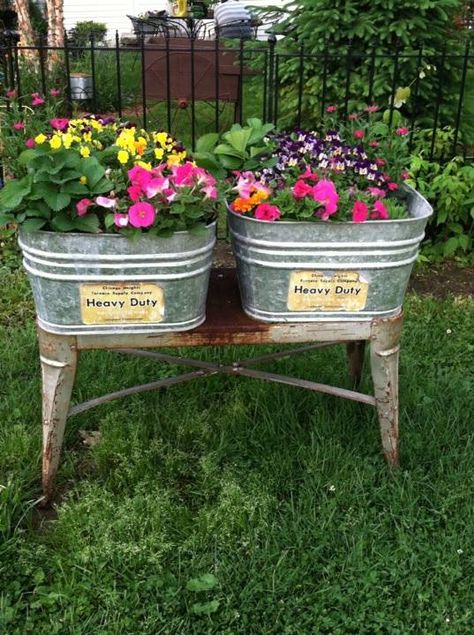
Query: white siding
x=114 y=12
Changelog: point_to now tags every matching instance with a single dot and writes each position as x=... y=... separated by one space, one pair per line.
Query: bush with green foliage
x=82 y=33
x=327 y=27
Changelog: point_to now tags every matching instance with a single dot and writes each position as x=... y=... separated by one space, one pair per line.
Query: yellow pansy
x=159 y=152
x=144 y=165
x=173 y=159
x=161 y=138
x=85 y=152
x=123 y=156
x=87 y=136
x=39 y=139
x=55 y=142
x=98 y=145
x=83 y=180
x=67 y=140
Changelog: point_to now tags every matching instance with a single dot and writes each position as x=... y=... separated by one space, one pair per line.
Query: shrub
x=81 y=34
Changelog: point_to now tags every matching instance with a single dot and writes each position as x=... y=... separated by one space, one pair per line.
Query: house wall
x=114 y=12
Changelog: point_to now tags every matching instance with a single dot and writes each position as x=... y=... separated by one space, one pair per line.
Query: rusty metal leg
x=384 y=354
x=58 y=355
x=355 y=354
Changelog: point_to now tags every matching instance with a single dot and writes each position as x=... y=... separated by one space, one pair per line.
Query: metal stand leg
x=58 y=356
x=384 y=354
x=355 y=354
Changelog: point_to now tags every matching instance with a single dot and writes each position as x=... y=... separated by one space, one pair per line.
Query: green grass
x=280 y=494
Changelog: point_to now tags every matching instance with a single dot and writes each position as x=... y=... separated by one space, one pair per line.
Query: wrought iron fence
x=192 y=86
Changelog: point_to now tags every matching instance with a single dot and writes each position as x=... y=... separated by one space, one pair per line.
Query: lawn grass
x=235 y=507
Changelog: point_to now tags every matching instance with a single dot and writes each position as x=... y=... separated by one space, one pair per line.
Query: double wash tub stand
x=226 y=324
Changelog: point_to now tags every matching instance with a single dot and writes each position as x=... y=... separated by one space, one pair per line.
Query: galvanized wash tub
x=106 y=283
x=307 y=271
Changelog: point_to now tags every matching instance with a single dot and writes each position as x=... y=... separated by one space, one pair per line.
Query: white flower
x=332 y=488
x=459 y=551
x=448 y=331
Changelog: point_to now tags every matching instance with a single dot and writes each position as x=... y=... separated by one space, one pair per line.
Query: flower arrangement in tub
x=95 y=174
x=352 y=173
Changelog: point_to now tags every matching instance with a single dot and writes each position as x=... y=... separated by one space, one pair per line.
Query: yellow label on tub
x=122 y=303
x=315 y=291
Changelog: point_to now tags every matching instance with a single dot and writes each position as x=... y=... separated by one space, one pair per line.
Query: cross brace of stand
x=226 y=324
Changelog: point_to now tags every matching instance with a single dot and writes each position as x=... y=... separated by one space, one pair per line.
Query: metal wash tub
x=304 y=271
x=106 y=283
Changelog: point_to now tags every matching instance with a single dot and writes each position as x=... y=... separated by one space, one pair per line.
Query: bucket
x=307 y=271
x=106 y=283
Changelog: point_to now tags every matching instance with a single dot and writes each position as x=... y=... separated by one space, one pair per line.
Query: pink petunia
x=376 y=191
x=105 y=201
x=170 y=194
x=134 y=191
x=141 y=214
x=402 y=132
x=59 y=124
x=120 y=220
x=30 y=143
x=267 y=212
x=183 y=175
x=380 y=211
x=11 y=94
x=36 y=99
x=139 y=176
x=301 y=189
x=210 y=192
x=359 y=212
x=325 y=193
x=331 y=109
x=19 y=125
x=83 y=205
x=156 y=186
x=359 y=134
x=54 y=92
x=308 y=175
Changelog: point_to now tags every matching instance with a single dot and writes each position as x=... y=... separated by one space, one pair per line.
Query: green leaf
x=6 y=218
x=102 y=187
x=209 y=163
x=33 y=224
x=204 y=582
x=207 y=142
x=205 y=608
x=88 y=223
x=92 y=169
x=451 y=246
x=225 y=149
x=238 y=139
x=75 y=188
x=62 y=222
x=230 y=163
x=199 y=229
x=40 y=209
x=57 y=200
x=13 y=193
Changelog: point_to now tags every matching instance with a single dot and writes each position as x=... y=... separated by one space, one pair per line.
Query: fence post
x=271 y=76
x=118 y=74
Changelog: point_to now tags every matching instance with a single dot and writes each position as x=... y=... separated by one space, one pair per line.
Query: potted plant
x=116 y=226
x=330 y=231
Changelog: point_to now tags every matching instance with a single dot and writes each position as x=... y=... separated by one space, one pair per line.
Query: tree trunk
x=27 y=37
x=55 y=11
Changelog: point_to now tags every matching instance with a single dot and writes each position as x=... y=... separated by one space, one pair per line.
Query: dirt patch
x=444 y=280
x=440 y=281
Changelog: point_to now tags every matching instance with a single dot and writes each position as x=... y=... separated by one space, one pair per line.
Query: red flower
x=359 y=134
x=11 y=94
x=301 y=189
x=54 y=92
x=83 y=205
x=372 y=108
x=331 y=109
x=392 y=186
x=359 y=212
x=19 y=125
x=30 y=143
x=267 y=212
x=380 y=211
x=402 y=132
x=36 y=99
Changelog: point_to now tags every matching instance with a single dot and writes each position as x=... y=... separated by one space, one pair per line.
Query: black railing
x=192 y=86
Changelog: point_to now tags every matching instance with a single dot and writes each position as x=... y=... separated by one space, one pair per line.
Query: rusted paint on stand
x=227 y=324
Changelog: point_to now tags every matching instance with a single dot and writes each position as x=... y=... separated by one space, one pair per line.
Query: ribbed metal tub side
x=148 y=284
x=278 y=261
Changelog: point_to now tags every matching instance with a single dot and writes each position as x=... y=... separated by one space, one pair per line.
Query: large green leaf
x=13 y=193
x=92 y=169
x=88 y=223
x=226 y=149
x=62 y=222
x=33 y=224
x=207 y=142
x=102 y=187
x=6 y=218
x=238 y=139
x=75 y=188
x=57 y=200
x=204 y=582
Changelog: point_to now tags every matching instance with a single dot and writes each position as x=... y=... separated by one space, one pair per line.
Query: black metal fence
x=192 y=86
